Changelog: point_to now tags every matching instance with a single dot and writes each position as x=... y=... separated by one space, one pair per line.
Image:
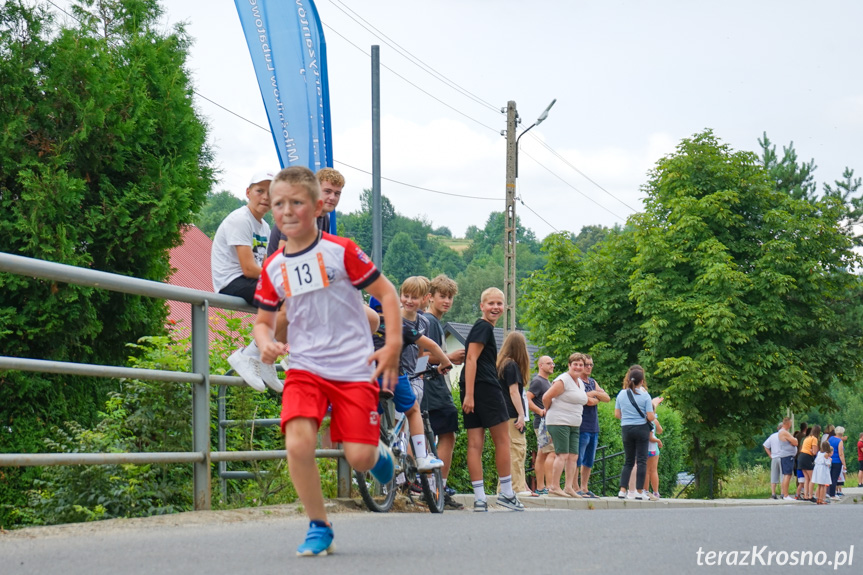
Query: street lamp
x=539 y=121
x=509 y=213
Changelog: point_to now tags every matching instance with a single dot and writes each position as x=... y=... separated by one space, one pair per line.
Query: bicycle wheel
x=432 y=483
x=377 y=497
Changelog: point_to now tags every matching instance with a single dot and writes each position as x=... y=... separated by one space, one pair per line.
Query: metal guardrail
x=201 y=456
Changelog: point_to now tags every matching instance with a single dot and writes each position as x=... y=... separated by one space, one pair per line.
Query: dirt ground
x=334 y=506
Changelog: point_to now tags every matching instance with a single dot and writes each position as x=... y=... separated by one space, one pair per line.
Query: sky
x=631 y=80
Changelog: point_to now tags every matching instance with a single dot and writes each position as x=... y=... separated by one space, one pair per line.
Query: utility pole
x=509 y=220
x=377 y=226
x=509 y=234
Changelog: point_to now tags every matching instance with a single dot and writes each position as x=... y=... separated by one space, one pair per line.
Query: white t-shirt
x=566 y=408
x=329 y=333
x=240 y=228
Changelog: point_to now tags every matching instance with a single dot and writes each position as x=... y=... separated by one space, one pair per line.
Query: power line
x=537 y=215
x=585 y=176
x=430 y=95
x=571 y=186
x=342 y=163
x=419 y=187
x=232 y=112
x=408 y=56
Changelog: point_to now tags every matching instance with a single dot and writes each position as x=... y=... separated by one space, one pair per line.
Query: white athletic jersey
x=328 y=329
x=239 y=228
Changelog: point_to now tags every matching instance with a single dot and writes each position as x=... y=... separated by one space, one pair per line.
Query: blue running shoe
x=319 y=542
x=384 y=468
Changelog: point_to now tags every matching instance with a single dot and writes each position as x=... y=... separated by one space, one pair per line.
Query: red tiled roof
x=191 y=262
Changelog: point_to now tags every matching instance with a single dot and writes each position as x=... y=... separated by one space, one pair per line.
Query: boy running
x=318 y=276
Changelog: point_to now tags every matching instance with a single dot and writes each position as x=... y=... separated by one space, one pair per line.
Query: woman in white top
x=564 y=402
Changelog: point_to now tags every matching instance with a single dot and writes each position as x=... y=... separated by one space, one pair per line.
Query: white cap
x=261 y=177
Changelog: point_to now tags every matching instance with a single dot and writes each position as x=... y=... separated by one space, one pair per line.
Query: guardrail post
x=343 y=476
x=201 y=405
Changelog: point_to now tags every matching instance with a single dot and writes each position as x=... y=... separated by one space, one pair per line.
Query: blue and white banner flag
x=288 y=51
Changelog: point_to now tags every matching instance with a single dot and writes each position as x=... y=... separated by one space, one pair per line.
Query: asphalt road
x=632 y=541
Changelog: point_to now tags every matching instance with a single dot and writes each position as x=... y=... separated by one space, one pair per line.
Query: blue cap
x=375 y=304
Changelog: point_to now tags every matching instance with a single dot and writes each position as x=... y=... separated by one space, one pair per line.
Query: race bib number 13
x=304 y=275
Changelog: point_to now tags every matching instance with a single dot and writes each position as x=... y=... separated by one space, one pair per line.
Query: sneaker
x=647 y=495
x=656 y=494
x=510 y=502
x=428 y=463
x=271 y=377
x=480 y=505
x=789 y=498
x=248 y=368
x=631 y=494
x=449 y=490
x=643 y=496
x=319 y=542
x=451 y=503
x=621 y=494
x=774 y=496
x=384 y=468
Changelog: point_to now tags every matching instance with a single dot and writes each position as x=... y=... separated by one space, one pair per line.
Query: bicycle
x=380 y=497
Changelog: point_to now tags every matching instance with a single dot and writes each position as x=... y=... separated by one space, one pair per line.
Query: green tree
x=479 y=275
x=104 y=158
x=788 y=175
x=445 y=260
x=214 y=211
x=403 y=259
x=740 y=289
x=735 y=295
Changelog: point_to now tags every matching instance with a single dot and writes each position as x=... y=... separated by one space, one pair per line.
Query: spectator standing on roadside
x=513 y=369
x=634 y=409
x=772 y=448
x=565 y=400
x=483 y=405
x=653 y=453
x=860 y=460
x=837 y=459
x=544 y=463
x=588 y=436
x=787 y=449
x=806 y=460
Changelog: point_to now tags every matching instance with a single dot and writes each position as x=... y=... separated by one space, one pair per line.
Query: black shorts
x=444 y=420
x=489 y=407
x=242 y=287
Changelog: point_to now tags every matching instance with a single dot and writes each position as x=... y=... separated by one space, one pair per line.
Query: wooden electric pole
x=509 y=220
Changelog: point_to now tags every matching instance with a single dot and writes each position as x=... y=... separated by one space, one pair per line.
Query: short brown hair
x=300 y=176
x=417 y=286
x=443 y=285
x=332 y=176
x=575 y=357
